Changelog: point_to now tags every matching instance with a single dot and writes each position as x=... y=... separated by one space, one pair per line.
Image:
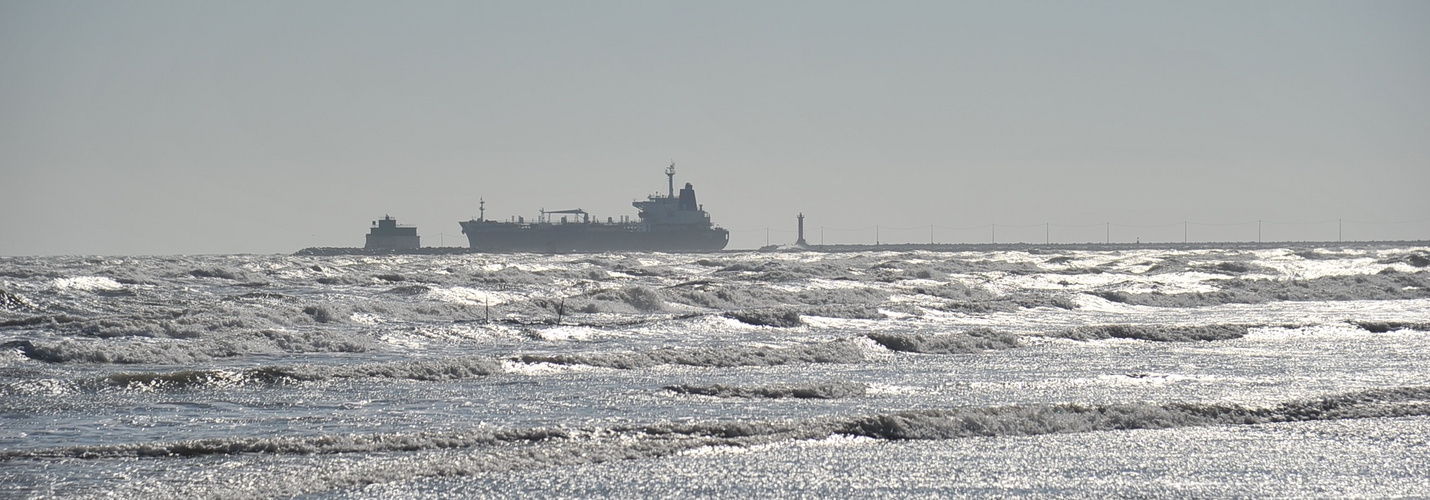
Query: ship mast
x=670 y=179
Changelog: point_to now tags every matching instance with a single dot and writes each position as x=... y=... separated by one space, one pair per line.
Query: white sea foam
x=87 y=283
x=472 y=296
x=529 y=368
x=1151 y=378
x=366 y=319
x=568 y=333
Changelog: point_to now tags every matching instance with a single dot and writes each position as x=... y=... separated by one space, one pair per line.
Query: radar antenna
x=670 y=179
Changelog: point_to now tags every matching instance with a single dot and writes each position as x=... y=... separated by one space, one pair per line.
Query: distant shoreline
x=1221 y=245
x=324 y=251
x=935 y=247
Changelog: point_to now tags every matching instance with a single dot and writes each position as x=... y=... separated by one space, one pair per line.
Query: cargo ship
x=674 y=222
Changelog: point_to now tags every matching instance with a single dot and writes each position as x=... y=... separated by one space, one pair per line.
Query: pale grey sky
x=228 y=127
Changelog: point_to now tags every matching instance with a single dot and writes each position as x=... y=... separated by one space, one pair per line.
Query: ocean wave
x=509 y=275
x=435 y=370
x=246 y=314
x=327 y=313
x=1234 y=268
x=781 y=271
x=975 y=340
x=384 y=458
x=1323 y=254
x=660 y=439
x=738 y=296
x=1172 y=265
x=1390 y=326
x=641 y=298
x=50 y=321
x=1156 y=333
x=326 y=444
x=219 y=272
x=626 y=300
x=782 y=318
x=410 y=290
x=760 y=305
x=1388 y=284
x=589 y=269
x=1418 y=258
x=825 y=390
x=172 y=351
x=847 y=311
x=40 y=386
x=911 y=266
x=1009 y=303
x=458 y=368
x=259 y=296
x=249 y=312
x=960 y=297
x=957 y=291
x=1059 y=419
x=715 y=357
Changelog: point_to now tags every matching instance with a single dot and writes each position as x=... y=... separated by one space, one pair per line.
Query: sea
x=1285 y=372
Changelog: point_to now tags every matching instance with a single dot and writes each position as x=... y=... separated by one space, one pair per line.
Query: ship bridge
x=672 y=210
x=387 y=235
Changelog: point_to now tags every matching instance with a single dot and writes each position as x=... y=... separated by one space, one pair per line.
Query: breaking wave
x=1416 y=258
x=172 y=351
x=1390 y=326
x=327 y=444
x=426 y=370
x=719 y=357
x=1058 y=419
x=976 y=340
x=960 y=297
x=735 y=295
x=783 y=318
x=219 y=272
x=1156 y=333
x=826 y=390
x=249 y=312
x=88 y=283
x=1388 y=284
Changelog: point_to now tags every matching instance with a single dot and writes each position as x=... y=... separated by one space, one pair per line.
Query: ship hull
x=487 y=236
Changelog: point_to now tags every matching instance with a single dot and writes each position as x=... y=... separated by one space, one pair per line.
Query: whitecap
x=88 y=283
x=471 y=296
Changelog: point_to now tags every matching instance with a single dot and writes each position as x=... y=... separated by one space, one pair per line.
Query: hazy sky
x=266 y=127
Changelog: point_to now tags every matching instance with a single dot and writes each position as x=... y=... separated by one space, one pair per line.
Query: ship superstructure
x=673 y=222
x=387 y=235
